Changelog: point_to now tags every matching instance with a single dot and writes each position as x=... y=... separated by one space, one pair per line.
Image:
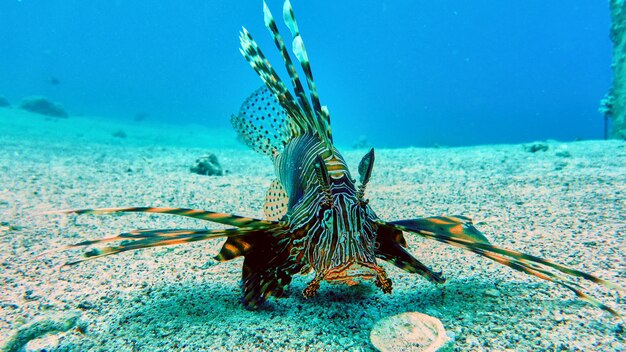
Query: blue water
x=402 y=73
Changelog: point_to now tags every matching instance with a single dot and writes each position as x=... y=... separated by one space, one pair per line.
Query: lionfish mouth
x=352 y=273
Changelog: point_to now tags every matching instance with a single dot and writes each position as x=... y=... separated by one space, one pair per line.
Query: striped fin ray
x=534 y=270
x=456 y=225
x=234 y=247
x=253 y=54
x=300 y=51
x=138 y=239
x=529 y=264
x=220 y=218
x=295 y=80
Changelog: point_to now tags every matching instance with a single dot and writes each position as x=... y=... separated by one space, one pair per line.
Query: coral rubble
x=208 y=165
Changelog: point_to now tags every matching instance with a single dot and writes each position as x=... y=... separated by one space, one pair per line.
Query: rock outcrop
x=614 y=105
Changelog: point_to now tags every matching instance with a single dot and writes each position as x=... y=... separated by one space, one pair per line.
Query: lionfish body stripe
x=318 y=217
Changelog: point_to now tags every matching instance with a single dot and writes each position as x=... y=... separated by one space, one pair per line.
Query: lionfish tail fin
x=220 y=218
x=139 y=239
x=469 y=238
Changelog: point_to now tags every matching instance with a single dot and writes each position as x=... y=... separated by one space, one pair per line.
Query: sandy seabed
x=565 y=204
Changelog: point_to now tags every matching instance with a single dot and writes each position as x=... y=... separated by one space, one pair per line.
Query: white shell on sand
x=410 y=331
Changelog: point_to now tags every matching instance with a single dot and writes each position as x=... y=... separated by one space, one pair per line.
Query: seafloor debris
x=563 y=154
x=119 y=134
x=40 y=327
x=5 y=227
x=140 y=116
x=43 y=106
x=536 y=147
x=4 y=102
x=361 y=143
x=410 y=331
x=208 y=165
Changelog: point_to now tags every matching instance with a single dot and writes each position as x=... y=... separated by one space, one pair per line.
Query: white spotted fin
x=276 y=201
x=263 y=123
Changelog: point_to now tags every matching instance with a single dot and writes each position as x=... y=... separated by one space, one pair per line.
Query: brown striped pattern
x=466 y=237
x=139 y=239
x=220 y=218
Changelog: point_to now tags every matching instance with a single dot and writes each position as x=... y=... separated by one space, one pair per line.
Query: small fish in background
x=317 y=216
x=53 y=81
x=140 y=116
x=119 y=134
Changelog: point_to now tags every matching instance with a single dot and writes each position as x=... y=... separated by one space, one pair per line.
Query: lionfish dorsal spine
x=298 y=48
x=255 y=57
x=293 y=74
x=304 y=116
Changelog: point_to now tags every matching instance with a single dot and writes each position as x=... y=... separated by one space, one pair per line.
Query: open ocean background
x=402 y=73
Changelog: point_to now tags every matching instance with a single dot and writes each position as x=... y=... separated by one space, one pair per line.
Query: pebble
x=492 y=292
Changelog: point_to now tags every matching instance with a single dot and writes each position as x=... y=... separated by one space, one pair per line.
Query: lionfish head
x=341 y=246
x=345 y=250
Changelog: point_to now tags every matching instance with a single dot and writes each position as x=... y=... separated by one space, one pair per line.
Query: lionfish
x=317 y=216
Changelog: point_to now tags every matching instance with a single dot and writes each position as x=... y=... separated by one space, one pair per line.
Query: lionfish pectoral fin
x=390 y=243
x=139 y=239
x=267 y=269
x=526 y=263
x=457 y=226
x=220 y=218
x=276 y=201
x=234 y=247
